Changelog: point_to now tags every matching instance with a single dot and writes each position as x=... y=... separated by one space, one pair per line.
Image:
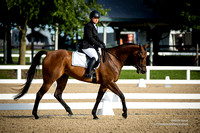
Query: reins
x=120 y=59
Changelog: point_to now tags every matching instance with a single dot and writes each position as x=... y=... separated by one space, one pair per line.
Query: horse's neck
x=123 y=52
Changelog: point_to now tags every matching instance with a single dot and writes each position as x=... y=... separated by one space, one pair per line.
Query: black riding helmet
x=94 y=14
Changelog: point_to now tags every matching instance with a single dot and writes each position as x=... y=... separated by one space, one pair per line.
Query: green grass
x=16 y=59
x=159 y=74
x=125 y=74
x=131 y=74
x=8 y=74
x=195 y=74
x=173 y=74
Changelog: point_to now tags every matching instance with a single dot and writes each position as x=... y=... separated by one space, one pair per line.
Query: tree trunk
x=22 y=59
x=9 y=47
x=5 y=46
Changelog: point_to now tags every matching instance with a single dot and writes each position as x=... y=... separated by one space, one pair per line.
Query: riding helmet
x=94 y=14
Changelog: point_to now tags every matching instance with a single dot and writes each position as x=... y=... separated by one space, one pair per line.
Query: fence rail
x=113 y=100
x=188 y=69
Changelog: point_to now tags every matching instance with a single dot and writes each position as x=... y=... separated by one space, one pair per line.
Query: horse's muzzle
x=141 y=70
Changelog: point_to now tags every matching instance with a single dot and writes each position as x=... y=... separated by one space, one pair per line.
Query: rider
x=91 y=41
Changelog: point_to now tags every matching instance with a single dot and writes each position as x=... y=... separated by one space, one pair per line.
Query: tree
x=21 y=12
x=191 y=19
x=191 y=15
x=178 y=14
x=69 y=14
x=5 y=31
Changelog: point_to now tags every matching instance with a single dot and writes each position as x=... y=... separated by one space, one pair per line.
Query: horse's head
x=140 y=59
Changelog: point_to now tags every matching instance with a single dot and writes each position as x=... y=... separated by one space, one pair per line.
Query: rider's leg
x=91 y=52
x=89 y=68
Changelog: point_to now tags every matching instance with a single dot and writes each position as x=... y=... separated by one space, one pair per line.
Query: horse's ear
x=146 y=45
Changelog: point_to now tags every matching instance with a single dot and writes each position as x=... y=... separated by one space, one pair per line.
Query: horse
x=56 y=66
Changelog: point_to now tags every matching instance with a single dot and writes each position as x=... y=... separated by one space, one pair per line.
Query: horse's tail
x=30 y=74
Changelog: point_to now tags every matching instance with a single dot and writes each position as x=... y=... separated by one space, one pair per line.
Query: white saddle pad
x=79 y=59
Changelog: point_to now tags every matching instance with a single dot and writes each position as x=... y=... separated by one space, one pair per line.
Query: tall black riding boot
x=89 y=68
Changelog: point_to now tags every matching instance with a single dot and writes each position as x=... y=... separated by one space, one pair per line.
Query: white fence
x=110 y=99
x=188 y=69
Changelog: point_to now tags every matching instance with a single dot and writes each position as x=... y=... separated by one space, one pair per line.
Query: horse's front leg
x=114 y=88
x=101 y=92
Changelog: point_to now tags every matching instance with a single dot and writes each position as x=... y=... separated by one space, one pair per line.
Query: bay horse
x=56 y=66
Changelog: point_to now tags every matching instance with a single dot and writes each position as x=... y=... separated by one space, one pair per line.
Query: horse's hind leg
x=45 y=87
x=61 y=83
x=101 y=92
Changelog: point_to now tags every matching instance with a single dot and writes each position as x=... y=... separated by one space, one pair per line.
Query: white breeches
x=91 y=52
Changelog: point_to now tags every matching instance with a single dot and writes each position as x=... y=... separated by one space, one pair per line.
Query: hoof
x=36 y=117
x=70 y=115
x=95 y=118
x=124 y=115
x=70 y=112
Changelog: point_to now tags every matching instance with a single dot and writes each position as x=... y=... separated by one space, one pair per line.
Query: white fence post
x=19 y=74
x=148 y=74
x=188 y=74
x=30 y=59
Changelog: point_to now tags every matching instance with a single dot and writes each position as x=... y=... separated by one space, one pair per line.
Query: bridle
x=139 y=56
x=140 y=66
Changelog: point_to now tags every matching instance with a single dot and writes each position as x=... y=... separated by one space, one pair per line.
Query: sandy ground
x=139 y=120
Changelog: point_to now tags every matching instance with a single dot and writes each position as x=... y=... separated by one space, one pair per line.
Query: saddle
x=79 y=58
